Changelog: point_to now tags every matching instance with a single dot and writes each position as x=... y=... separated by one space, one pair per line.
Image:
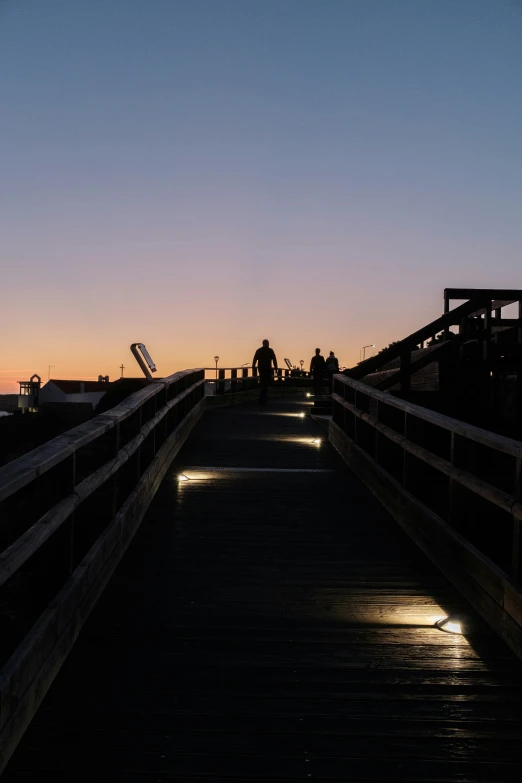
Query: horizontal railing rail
x=470 y=477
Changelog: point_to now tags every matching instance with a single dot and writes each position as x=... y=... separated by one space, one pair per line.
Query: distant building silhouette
x=67 y=391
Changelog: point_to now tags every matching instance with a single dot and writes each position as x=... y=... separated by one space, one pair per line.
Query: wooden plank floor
x=274 y=624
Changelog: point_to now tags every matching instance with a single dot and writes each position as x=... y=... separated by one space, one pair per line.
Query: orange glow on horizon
x=102 y=349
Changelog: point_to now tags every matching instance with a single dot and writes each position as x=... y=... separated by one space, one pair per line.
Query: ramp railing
x=455 y=488
x=229 y=380
x=68 y=510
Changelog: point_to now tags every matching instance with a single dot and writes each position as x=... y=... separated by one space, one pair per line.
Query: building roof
x=74 y=387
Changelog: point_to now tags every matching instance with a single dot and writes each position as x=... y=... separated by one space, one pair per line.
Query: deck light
x=308 y=394
x=455 y=623
x=301 y=415
x=182 y=477
x=317 y=441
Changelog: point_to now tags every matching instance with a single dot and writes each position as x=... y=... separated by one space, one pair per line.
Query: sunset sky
x=201 y=174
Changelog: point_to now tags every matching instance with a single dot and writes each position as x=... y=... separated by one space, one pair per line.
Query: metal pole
x=216 y=359
x=372 y=345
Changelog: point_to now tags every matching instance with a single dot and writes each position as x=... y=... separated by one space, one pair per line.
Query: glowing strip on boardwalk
x=207 y=470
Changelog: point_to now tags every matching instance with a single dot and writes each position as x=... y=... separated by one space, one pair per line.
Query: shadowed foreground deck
x=274 y=624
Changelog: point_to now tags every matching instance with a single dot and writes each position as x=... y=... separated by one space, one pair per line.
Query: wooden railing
x=456 y=488
x=477 y=317
x=229 y=380
x=68 y=509
x=224 y=380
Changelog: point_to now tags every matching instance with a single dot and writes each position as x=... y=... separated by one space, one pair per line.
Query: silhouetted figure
x=332 y=367
x=264 y=358
x=317 y=366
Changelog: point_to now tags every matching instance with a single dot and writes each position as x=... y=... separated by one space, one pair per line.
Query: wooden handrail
x=485 y=437
x=20 y=472
x=12 y=558
x=451 y=318
x=498 y=497
x=69 y=509
x=455 y=464
x=455 y=489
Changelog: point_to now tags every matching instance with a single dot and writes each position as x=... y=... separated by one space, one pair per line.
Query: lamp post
x=49 y=370
x=216 y=359
x=363 y=349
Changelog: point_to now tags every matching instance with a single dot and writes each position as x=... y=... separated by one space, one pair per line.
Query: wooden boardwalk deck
x=274 y=624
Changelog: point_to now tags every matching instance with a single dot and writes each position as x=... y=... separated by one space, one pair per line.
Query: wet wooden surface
x=274 y=624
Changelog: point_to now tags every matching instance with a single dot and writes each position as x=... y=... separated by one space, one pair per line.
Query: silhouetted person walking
x=264 y=357
x=332 y=367
x=317 y=366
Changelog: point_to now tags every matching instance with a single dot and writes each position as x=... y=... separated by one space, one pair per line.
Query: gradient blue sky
x=200 y=174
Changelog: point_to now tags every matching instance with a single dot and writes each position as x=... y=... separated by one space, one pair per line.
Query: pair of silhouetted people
x=321 y=369
x=264 y=358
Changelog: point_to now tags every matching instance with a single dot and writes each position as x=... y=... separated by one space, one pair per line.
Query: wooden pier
x=271 y=621
x=194 y=586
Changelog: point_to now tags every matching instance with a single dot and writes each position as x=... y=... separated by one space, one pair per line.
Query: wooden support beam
x=512 y=294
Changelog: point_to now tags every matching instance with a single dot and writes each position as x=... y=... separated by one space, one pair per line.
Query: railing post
x=405 y=374
x=152 y=433
x=233 y=380
x=487 y=336
x=377 y=434
x=452 y=484
x=446 y=310
x=516 y=552
x=138 y=451
x=221 y=383
x=115 y=483
x=361 y=401
x=70 y=555
x=408 y=423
